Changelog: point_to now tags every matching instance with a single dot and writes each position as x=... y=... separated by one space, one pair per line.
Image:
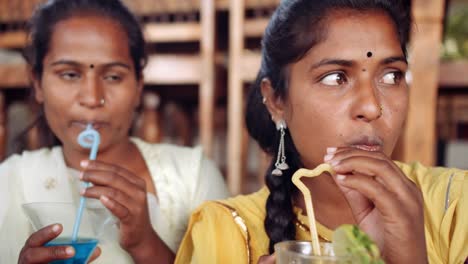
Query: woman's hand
x=35 y=252
x=124 y=194
x=384 y=202
x=267 y=259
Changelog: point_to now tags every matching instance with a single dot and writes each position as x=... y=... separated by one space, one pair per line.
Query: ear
x=274 y=103
x=36 y=83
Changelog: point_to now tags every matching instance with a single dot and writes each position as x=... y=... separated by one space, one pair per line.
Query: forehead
x=352 y=34
x=89 y=38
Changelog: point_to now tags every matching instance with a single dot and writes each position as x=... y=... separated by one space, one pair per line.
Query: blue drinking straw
x=89 y=138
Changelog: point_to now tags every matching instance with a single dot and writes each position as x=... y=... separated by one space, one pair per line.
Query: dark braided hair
x=295 y=28
x=41 y=27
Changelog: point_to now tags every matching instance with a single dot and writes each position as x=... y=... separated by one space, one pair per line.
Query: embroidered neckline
x=241 y=223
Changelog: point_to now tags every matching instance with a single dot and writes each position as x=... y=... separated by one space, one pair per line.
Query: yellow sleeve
x=213 y=236
x=454 y=227
x=445 y=193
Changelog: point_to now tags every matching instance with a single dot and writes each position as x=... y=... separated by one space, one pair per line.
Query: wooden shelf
x=13 y=39
x=140 y=7
x=13 y=76
x=224 y=4
x=162 y=69
x=454 y=74
x=172 y=32
x=251 y=61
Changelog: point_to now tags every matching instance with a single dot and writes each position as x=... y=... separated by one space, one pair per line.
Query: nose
x=91 y=93
x=366 y=105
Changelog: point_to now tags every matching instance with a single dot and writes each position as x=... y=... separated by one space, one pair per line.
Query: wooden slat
x=153 y=32
x=235 y=94
x=13 y=76
x=13 y=39
x=250 y=65
x=460 y=109
x=419 y=137
x=172 y=32
x=207 y=84
x=255 y=27
x=158 y=7
x=17 y=10
x=173 y=69
x=454 y=74
x=160 y=70
x=251 y=4
x=140 y=7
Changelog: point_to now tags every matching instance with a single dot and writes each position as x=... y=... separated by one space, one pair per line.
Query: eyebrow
x=339 y=62
x=394 y=59
x=77 y=64
x=350 y=63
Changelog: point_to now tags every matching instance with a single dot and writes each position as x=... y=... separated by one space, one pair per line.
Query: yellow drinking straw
x=308 y=200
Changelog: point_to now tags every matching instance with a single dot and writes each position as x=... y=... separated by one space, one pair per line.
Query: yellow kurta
x=231 y=231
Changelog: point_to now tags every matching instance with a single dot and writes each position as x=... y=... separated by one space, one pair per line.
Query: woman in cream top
x=182 y=176
x=86 y=61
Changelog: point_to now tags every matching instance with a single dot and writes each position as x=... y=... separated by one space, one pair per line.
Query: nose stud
x=102 y=102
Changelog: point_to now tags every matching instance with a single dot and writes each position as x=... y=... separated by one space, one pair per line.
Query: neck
x=331 y=208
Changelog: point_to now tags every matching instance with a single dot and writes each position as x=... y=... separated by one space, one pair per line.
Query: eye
x=392 y=78
x=70 y=75
x=334 y=79
x=113 y=78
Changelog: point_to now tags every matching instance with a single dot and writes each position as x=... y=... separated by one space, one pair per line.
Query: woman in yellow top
x=332 y=88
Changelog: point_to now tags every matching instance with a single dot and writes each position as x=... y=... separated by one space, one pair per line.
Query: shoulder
x=180 y=166
x=250 y=208
x=231 y=227
x=169 y=153
x=30 y=158
x=244 y=213
x=431 y=178
x=440 y=186
x=445 y=192
x=215 y=234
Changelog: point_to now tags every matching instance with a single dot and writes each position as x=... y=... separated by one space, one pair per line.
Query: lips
x=368 y=147
x=367 y=143
x=82 y=124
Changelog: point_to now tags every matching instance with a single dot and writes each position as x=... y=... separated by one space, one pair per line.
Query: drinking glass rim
x=280 y=246
x=51 y=203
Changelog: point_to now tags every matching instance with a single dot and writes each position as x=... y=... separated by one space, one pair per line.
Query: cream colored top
x=183 y=179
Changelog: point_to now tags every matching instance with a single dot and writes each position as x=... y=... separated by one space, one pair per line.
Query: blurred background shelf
x=454 y=74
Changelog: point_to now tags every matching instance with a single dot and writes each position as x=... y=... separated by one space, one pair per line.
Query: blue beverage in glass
x=84 y=248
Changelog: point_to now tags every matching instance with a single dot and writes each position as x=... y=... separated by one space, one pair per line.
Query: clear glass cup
x=300 y=252
x=97 y=223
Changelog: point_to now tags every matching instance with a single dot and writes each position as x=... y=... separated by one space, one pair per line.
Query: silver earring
x=102 y=102
x=280 y=164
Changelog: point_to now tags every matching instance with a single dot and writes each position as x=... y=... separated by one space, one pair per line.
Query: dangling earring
x=280 y=164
